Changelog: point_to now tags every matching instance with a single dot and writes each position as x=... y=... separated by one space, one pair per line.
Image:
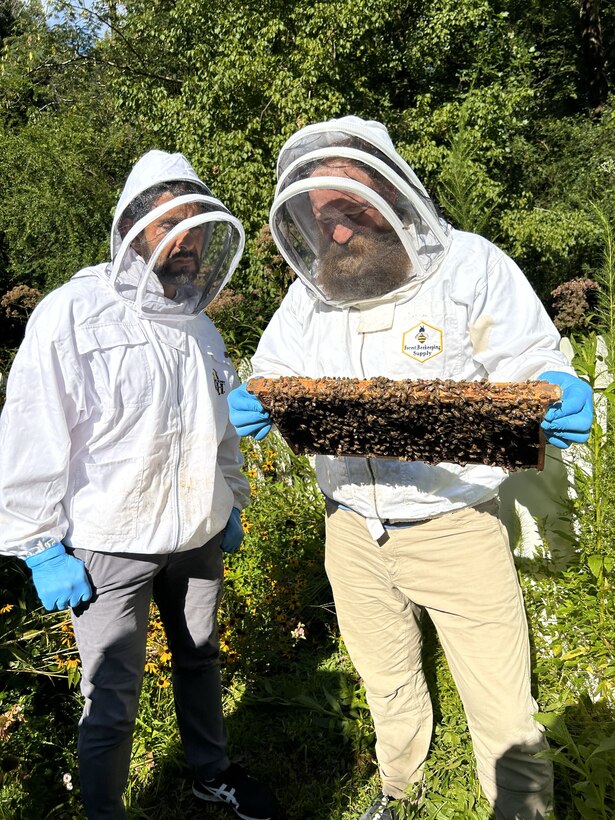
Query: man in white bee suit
x=387 y=288
x=120 y=474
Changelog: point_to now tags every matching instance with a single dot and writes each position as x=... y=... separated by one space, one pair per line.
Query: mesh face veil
x=350 y=216
x=190 y=245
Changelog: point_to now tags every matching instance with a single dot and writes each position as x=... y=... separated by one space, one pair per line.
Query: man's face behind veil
x=180 y=260
x=359 y=254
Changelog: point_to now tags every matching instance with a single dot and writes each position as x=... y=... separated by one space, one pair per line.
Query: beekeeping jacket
x=465 y=313
x=115 y=435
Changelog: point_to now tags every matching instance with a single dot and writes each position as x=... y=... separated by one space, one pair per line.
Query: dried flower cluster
x=227 y=301
x=9 y=718
x=421 y=420
x=572 y=304
x=19 y=302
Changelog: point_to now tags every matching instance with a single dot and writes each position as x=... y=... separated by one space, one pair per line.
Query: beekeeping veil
x=164 y=200
x=322 y=157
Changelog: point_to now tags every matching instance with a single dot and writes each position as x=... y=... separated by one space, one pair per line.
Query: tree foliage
x=494 y=103
x=505 y=111
x=62 y=155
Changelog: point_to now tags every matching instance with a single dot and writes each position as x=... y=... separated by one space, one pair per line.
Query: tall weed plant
x=574 y=613
x=465 y=190
x=571 y=611
x=595 y=483
x=276 y=593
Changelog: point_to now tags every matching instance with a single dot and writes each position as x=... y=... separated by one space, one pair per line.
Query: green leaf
x=607 y=745
x=596 y=564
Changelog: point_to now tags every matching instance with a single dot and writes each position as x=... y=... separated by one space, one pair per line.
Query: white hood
x=366 y=145
x=223 y=239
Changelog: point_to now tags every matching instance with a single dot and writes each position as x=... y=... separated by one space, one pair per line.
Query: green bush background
x=506 y=115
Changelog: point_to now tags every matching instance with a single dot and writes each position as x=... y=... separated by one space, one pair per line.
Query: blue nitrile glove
x=247 y=414
x=233 y=532
x=569 y=420
x=59 y=578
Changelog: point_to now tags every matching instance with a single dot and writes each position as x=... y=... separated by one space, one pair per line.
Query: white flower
x=298 y=633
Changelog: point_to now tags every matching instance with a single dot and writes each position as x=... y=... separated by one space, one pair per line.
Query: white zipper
x=180 y=430
x=367 y=460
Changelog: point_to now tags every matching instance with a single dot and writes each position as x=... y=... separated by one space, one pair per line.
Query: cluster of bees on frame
x=436 y=420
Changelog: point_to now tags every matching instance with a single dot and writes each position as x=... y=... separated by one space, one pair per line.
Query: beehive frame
x=478 y=422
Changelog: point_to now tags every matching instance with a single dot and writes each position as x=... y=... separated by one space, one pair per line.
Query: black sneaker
x=248 y=798
x=380 y=809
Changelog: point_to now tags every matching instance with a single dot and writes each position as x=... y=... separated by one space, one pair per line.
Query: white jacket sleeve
x=512 y=335
x=230 y=459
x=280 y=351
x=41 y=408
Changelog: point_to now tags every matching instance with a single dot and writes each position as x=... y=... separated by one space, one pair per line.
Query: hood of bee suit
x=178 y=234
x=346 y=172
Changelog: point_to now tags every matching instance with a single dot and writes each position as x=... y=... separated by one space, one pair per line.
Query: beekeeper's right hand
x=247 y=414
x=59 y=578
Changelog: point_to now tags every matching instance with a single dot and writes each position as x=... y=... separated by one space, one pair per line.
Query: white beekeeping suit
x=95 y=391
x=386 y=288
x=120 y=475
x=461 y=310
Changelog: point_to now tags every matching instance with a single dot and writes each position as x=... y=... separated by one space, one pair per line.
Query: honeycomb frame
x=439 y=420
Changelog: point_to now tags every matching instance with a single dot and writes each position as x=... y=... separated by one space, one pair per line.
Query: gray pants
x=111 y=633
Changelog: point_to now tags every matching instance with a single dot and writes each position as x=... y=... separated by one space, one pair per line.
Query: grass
x=307 y=732
x=295 y=708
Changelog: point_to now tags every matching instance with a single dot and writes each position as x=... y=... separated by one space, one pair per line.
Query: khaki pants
x=459 y=569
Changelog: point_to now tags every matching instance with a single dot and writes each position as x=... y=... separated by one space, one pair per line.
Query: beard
x=180 y=269
x=368 y=266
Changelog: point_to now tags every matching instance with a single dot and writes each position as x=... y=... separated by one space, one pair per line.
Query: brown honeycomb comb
x=478 y=422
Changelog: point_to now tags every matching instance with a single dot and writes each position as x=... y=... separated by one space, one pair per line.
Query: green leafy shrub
x=275 y=586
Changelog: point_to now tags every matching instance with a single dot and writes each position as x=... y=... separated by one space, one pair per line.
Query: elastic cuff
x=45 y=555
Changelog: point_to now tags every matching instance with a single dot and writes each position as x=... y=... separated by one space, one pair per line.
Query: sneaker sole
x=213 y=798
